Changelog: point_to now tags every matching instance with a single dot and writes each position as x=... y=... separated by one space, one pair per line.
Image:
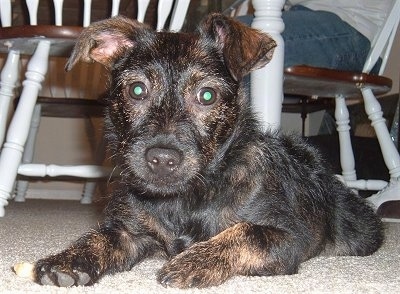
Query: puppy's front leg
x=108 y=249
x=244 y=249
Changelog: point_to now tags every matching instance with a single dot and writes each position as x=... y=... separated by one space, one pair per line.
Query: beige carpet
x=36 y=228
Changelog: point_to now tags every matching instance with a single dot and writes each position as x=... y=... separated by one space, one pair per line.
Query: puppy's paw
x=51 y=271
x=197 y=267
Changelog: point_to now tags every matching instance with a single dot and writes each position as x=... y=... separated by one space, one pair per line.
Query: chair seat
x=62 y=38
x=328 y=83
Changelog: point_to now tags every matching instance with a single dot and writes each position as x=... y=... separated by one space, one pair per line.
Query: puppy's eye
x=137 y=90
x=206 y=96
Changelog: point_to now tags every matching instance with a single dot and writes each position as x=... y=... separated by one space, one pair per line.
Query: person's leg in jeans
x=319 y=38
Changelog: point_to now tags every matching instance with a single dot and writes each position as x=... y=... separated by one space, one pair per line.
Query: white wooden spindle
x=115 y=7
x=382 y=42
x=371 y=185
x=178 y=15
x=87 y=7
x=389 y=151
x=164 y=7
x=11 y=155
x=58 y=6
x=8 y=79
x=32 y=10
x=5 y=12
x=27 y=157
x=142 y=7
x=52 y=170
x=88 y=191
x=347 y=161
x=267 y=82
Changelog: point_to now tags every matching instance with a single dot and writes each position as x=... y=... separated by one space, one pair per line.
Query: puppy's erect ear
x=245 y=49
x=105 y=40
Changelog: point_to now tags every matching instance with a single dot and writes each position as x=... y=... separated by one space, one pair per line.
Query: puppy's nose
x=163 y=161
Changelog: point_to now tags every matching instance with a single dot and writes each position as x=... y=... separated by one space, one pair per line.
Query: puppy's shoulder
x=290 y=147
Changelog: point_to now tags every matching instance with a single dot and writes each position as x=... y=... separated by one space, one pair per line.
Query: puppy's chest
x=183 y=227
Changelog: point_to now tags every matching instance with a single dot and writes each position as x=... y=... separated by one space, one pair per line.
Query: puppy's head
x=175 y=98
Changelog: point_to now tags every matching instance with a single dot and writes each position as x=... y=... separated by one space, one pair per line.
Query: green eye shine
x=206 y=96
x=138 y=91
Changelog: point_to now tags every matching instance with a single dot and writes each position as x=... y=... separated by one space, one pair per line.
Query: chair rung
x=52 y=170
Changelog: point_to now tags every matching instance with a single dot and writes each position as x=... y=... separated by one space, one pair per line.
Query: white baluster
x=27 y=157
x=5 y=13
x=347 y=161
x=32 y=9
x=8 y=79
x=115 y=7
x=267 y=83
x=11 y=154
x=87 y=7
x=164 y=7
x=370 y=185
x=389 y=151
x=178 y=15
x=142 y=8
x=52 y=170
x=58 y=5
x=390 y=154
x=88 y=191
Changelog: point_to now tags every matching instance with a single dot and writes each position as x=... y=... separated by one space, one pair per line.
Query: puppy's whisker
x=111 y=175
x=201 y=179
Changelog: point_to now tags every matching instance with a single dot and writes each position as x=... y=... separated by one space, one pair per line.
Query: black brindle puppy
x=200 y=183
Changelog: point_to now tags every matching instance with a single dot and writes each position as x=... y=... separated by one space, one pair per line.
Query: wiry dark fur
x=231 y=200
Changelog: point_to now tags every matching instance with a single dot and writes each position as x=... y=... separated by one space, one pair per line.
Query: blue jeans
x=322 y=39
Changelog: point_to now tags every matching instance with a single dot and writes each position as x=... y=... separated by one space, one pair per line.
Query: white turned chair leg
x=267 y=82
x=390 y=153
x=18 y=130
x=27 y=157
x=88 y=192
x=347 y=161
x=8 y=80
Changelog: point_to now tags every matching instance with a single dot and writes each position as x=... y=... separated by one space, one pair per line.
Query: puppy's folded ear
x=245 y=49
x=105 y=41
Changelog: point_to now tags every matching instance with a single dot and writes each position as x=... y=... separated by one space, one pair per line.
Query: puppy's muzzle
x=163 y=161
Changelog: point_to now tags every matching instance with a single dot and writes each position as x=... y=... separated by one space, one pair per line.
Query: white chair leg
x=390 y=153
x=22 y=185
x=18 y=130
x=267 y=82
x=347 y=161
x=88 y=191
x=8 y=80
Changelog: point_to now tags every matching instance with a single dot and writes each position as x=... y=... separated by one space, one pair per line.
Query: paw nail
x=83 y=278
x=45 y=280
x=65 y=280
